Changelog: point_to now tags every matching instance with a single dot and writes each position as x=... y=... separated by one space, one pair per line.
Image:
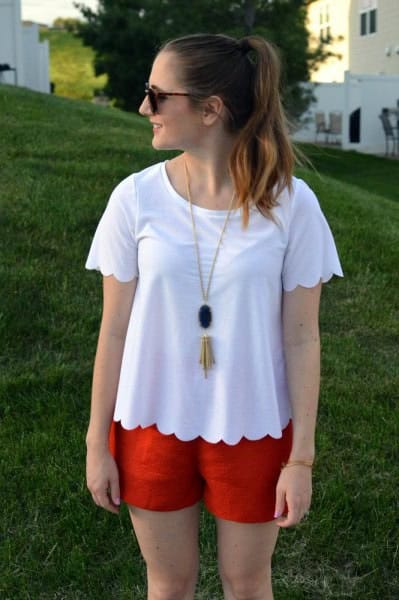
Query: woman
x=206 y=377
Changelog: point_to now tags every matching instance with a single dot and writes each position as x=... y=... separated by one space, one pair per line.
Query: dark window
x=363 y=24
x=368 y=22
x=373 y=21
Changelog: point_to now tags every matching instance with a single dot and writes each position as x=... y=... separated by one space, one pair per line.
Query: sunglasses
x=155 y=97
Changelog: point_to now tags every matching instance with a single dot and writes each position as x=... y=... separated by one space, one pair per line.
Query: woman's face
x=176 y=125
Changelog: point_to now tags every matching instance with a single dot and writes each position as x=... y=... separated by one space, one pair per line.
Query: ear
x=212 y=110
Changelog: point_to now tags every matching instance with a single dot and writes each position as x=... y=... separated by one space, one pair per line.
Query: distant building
x=24 y=60
x=374 y=37
x=356 y=90
x=363 y=34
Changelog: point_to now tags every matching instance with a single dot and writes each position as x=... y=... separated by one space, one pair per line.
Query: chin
x=159 y=145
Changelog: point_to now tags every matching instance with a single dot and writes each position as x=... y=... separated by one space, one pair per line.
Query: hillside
x=59 y=161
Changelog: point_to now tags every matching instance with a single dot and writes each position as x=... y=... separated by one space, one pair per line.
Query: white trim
x=366 y=5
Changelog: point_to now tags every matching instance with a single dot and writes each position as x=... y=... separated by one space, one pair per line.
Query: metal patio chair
x=321 y=126
x=391 y=132
x=335 y=125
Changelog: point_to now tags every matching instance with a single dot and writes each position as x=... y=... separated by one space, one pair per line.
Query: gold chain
x=205 y=293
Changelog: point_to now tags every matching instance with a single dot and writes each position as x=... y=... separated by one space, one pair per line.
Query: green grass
x=60 y=159
x=356 y=169
x=71 y=65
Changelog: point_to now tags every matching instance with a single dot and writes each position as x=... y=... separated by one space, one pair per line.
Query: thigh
x=244 y=552
x=168 y=541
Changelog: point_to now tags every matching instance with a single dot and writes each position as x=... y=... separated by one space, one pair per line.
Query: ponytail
x=262 y=159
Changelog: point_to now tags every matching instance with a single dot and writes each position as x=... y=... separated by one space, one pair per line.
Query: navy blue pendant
x=205 y=316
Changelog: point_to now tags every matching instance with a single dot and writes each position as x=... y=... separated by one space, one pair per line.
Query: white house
x=362 y=78
x=374 y=37
x=363 y=35
x=24 y=60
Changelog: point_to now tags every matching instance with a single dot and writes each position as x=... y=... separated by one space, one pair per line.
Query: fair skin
x=169 y=540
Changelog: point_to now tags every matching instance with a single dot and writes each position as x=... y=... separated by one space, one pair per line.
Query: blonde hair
x=245 y=74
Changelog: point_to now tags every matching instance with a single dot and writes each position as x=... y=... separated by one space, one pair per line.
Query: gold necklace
x=205 y=312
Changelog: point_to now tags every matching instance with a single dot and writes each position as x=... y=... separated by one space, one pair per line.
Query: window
x=373 y=21
x=368 y=16
x=363 y=24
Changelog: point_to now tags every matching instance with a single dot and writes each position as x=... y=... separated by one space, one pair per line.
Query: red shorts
x=160 y=472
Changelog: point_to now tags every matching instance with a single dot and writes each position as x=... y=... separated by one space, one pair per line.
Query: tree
x=125 y=35
x=69 y=24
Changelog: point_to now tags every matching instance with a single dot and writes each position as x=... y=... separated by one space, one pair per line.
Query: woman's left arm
x=302 y=357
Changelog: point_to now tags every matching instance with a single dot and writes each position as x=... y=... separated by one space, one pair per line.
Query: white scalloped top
x=146 y=232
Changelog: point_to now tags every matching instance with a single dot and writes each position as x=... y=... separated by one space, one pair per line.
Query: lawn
x=60 y=160
x=71 y=65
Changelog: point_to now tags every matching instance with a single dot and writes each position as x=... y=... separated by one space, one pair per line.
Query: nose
x=145 y=109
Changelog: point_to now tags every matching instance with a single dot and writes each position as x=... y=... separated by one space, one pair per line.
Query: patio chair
x=391 y=132
x=335 y=125
x=321 y=126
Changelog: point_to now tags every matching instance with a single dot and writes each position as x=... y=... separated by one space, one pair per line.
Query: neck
x=207 y=163
x=208 y=174
x=211 y=184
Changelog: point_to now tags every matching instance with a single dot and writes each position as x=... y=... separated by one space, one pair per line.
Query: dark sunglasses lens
x=152 y=99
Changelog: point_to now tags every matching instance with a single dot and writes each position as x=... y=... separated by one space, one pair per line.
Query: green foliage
x=69 y=24
x=125 y=35
x=60 y=161
x=71 y=65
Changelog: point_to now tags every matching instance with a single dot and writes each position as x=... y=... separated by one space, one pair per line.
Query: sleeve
x=311 y=254
x=114 y=249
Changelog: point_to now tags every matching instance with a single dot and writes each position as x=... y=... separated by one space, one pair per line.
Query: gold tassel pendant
x=206 y=356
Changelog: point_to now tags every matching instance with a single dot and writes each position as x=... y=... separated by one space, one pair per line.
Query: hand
x=294 y=487
x=103 y=479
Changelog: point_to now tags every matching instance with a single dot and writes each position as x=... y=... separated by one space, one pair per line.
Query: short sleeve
x=311 y=254
x=114 y=249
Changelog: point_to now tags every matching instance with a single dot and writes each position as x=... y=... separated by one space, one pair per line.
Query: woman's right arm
x=101 y=469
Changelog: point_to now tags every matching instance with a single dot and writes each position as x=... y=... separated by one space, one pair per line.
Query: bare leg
x=245 y=551
x=169 y=544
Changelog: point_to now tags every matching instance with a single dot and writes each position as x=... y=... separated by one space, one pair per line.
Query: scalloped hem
x=312 y=283
x=108 y=272
x=210 y=440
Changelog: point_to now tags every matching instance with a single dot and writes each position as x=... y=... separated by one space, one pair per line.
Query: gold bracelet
x=293 y=463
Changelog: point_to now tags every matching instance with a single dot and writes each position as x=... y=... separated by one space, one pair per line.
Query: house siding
x=373 y=54
x=376 y=53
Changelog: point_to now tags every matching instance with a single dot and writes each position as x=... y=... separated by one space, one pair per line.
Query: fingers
x=293 y=492
x=105 y=493
x=280 y=503
x=103 y=499
x=114 y=491
x=296 y=512
x=103 y=480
